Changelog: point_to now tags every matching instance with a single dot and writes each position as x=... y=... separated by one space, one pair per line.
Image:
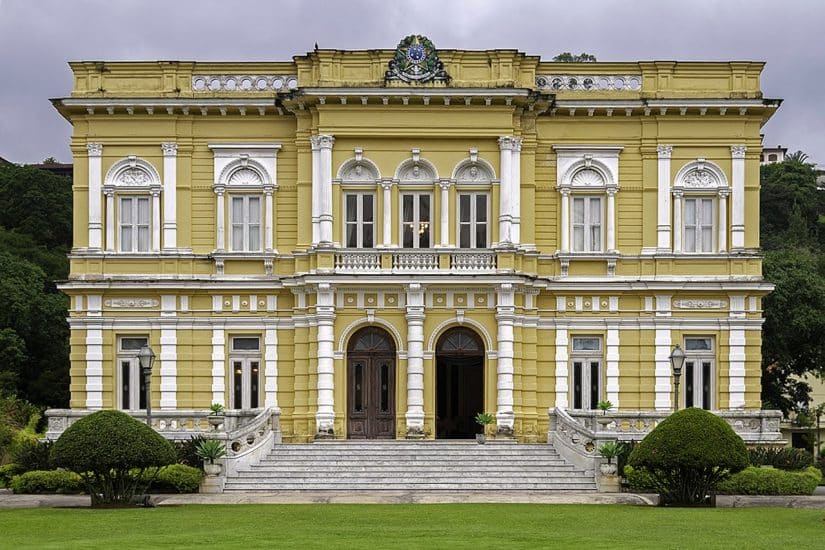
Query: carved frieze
x=131 y=302
x=693 y=303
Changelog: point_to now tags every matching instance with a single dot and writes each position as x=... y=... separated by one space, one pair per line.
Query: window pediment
x=132 y=172
x=474 y=170
x=700 y=175
x=416 y=170
x=358 y=170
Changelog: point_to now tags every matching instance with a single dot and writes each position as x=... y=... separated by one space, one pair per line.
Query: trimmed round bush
x=104 y=448
x=688 y=454
x=771 y=481
x=38 y=482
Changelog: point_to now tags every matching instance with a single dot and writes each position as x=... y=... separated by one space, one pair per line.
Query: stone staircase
x=412 y=466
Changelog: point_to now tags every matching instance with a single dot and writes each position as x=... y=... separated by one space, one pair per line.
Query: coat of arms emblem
x=416 y=60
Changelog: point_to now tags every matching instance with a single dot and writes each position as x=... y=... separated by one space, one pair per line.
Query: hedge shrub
x=7 y=472
x=784 y=458
x=687 y=454
x=177 y=478
x=639 y=480
x=187 y=451
x=104 y=448
x=771 y=481
x=33 y=454
x=47 y=482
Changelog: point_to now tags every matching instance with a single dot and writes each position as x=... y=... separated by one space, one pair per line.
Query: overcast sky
x=38 y=37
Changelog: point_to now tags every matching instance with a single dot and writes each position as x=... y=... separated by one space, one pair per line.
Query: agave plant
x=211 y=450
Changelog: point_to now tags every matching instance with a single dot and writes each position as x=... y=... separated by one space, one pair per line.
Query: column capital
x=322 y=141
x=517 y=141
x=170 y=149
x=219 y=189
x=611 y=191
x=738 y=151
x=506 y=143
x=664 y=151
x=565 y=191
x=444 y=184
x=724 y=192
x=94 y=149
x=386 y=184
x=677 y=192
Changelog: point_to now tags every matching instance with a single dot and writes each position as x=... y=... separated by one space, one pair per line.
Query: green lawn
x=430 y=526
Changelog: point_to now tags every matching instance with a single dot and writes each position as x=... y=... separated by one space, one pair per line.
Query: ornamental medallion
x=416 y=60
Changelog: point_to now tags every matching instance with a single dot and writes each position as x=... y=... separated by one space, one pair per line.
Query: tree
x=37 y=203
x=567 y=57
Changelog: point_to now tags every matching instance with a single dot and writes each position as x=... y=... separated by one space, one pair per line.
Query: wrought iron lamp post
x=677 y=361
x=146 y=358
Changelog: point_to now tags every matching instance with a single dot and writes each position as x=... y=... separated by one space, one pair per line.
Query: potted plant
x=609 y=450
x=604 y=406
x=210 y=450
x=483 y=419
x=215 y=417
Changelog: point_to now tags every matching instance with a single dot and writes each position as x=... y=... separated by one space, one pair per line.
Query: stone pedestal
x=212 y=484
x=608 y=483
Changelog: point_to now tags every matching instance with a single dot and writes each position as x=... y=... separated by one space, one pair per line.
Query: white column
x=677 y=221
x=736 y=365
x=110 y=219
x=723 y=220
x=562 y=374
x=737 y=226
x=325 y=313
x=505 y=315
x=386 y=230
x=95 y=161
x=170 y=179
x=94 y=366
x=271 y=366
x=415 y=361
x=220 y=213
x=505 y=192
x=315 y=143
x=611 y=219
x=612 y=360
x=515 y=195
x=662 y=370
x=218 y=365
x=445 y=212
x=156 y=228
x=565 y=220
x=168 y=368
x=268 y=217
x=663 y=208
x=325 y=190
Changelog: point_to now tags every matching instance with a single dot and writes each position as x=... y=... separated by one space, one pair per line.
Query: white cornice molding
x=417 y=92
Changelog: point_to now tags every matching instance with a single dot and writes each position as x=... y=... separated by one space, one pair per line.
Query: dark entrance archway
x=459 y=383
x=371 y=385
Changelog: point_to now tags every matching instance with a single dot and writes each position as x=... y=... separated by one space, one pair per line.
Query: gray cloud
x=37 y=37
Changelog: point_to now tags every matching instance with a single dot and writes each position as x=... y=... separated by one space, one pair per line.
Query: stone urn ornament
x=604 y=406
x=210 y=450
x=610 y=450
x=216 y=416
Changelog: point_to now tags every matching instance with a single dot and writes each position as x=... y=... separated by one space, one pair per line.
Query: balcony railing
x=415 y=261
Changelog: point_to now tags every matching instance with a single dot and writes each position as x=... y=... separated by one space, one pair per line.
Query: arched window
x=371 y=340
x=474 y=179
x=700 y=193
x=132 y=188
x=358 y=177
x=416 y=176
x=460 y=341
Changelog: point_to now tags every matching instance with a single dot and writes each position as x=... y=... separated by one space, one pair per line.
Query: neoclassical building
x=382 y=243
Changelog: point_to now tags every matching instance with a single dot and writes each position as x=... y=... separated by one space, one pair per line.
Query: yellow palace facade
x=383 y=243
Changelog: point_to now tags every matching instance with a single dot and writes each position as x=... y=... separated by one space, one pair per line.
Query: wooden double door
x=371 y=386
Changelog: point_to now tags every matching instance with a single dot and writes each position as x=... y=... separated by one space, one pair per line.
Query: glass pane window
x=415 y=220
x=472 y=220
x=587 y=224
x=587 y=343
x=246 y=343
x=586 y=372
x=359 y=220
x=135 y=220
x=245 y=223
x=698 y=224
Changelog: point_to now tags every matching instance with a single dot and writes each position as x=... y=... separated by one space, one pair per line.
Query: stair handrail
x=574 y=441
x=249 y=443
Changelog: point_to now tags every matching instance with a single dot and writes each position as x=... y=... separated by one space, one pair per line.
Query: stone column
x=386 y=236
x=515 y=190
x=445 y=212
x=611 y=219
x=562 y=370
x=271 y=365
x=723 y=220
x=505 y=316
x=612 y=359
x=220 y=213
x=677 y=221
x=94 y=357
x=268 y=217
x=663 y=203
x=170 y=178
x=662 y=369
x=110 y=218
x=505 y=194
x=415 y=361
x=95 y=161
x=565 y=220
x=325 y=190
x=315 y=142
x=156 y=227
x=218 y=363
x=737 y=226
x=736 y=355
x=325 y=313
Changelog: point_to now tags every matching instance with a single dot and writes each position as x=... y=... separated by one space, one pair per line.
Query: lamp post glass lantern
x=677 y=361
x=146 y=358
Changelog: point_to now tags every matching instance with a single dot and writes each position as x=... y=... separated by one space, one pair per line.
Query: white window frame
x=135 y=225
x=130 y=358
x=246 y=224
x=416 y=217
x=359 y=218
x=473 y=223
x=588 y=223
x=247 y=360
x=586 y=357
x=699 y=358
x=699 y=227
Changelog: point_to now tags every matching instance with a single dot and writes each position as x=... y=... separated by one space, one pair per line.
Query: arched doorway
x=459 y=383
x=371 y=385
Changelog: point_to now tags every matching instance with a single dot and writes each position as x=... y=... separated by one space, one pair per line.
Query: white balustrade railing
x=358 y=262
x=243 y=82
x=590 y=82
x=416 y=261
x=472 y=261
